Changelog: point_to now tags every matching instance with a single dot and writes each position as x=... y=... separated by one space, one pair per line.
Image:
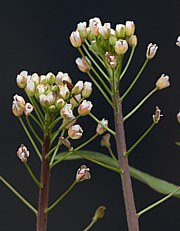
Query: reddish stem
x=44 y=191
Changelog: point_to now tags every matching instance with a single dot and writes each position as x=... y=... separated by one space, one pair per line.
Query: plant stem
x=44 y=191
x=132 y=218
x=32 y=175
x=90 y=225
x=61 y=197
x=158 y=202
x=18 y=195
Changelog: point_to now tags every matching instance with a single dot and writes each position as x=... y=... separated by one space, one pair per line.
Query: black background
x=35 y=37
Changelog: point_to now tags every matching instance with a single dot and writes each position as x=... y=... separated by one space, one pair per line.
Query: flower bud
x=75 y=132
x=75 y=39
x=84 y=108
x=35 y=79
x=163 y=82
x=40 y=89
x=19 y=100
x=66 y=112
x=81 y=28
x=77 y=88
x=83 y=65
x=99 y=213
x=65 y=142
x=75 y=100
x=105 y=140
x=130 y=28
x=28 y=108
x=50 y=78
x=64 y=92
x=43 y=79
x=61 y=77
x=23 y=153
x=112 y=40
x=133 y=41
x=178 y=117
x=83 y=173
x=121 y=47
x=87 y=90
x=151 y=51
x=101 y=126
x=22 y=78
x=30 y=87
x=59 y=103
x=178 y=41
x=110 y=59
x=17 y=111
x=94 y=24
x=47 y=100
x=157 y=115
x=120 y=31
x=105 y=31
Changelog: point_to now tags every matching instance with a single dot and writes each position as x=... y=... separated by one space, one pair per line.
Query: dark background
x=34 y=37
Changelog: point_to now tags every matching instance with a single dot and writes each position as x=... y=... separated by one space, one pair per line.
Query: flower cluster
x=19 y=106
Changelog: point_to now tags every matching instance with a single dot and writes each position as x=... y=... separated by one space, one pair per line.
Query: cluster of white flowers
x=19 y=106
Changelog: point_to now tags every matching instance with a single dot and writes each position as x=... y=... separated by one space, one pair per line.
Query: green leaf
x=155 y=183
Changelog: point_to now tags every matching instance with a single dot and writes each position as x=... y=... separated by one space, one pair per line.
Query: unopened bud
x=83 y=173
x=133 y=41
x=95 y=24
x=105 y=31
x=65 y=142
x=157 y=115
x=81 y=27
x=22 y=78
x=112 y=40
x=17 y=111
x=28 y=108
x=83 y=65
x=35 y=79
x=110 y=59
x=120 y=31
x=66 y=112
x=130 y=28
x=77 y=88
x=30 y=87
x=50 y=78
x=75 y=100
x=163 y=82
x=43 y=79
x=101 y=127
x=75 y=39
x=121 y=47
x=87 y=90
x=19 y=100
x=84 y=108
x=105 y=140
x=61 y=77
x=59 y=103
x=64 y=92
x=99 y=213
x=75 y=132
x=151 y=51
x=23 y=153
x=47 y=100
x=178 y=117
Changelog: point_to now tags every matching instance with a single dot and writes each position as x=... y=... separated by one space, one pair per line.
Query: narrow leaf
x=155 y=183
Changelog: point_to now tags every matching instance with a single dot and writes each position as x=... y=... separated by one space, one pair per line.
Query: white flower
x=30 y=87
x=60 y=77
x=23 y=153
x=105 y=30
x=75 y=132
x=81 y=27
x=28 y=108
x=64 y=92
x=77 y=88
x=163 y=82
x=22 y=79
x=101 y=126
x=83 y=65
x=130 y=28
x=120 y=30
x=83 y=173
x=121 y=47
x=151 y=51
x=47 y=100
x=178 y=41
x=35 y=78
x=75 y=39
x=94 y=24
x=84 y=108
x=66 y=112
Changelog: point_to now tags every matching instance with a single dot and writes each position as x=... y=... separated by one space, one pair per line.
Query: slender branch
x=90 y=225
x=30 y=138
x=61 y=197
x=111 y=153
x=32 y=175
x=18 y=195
x=158 y=202
x=140 y=139
x=140 y=104
x=36 y=121
x=135 y=80
x=128 y=63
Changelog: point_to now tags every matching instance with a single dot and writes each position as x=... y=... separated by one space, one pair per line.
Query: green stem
x=36 y=121
x=140 y=104
x=52 y=150
x=76 y=149
x=61 y=197
x=95 y=63
x=112 y=154
x=99 y=122
x=33 y=176
x=100 y=163
x=139 y=140
x=18 y=195
x=55 y=122
x=90 y=225
x=33 y=131
x=135 y=80
x=158 y=202
x=128 y=63
x=30 y=138
x=100 y=89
